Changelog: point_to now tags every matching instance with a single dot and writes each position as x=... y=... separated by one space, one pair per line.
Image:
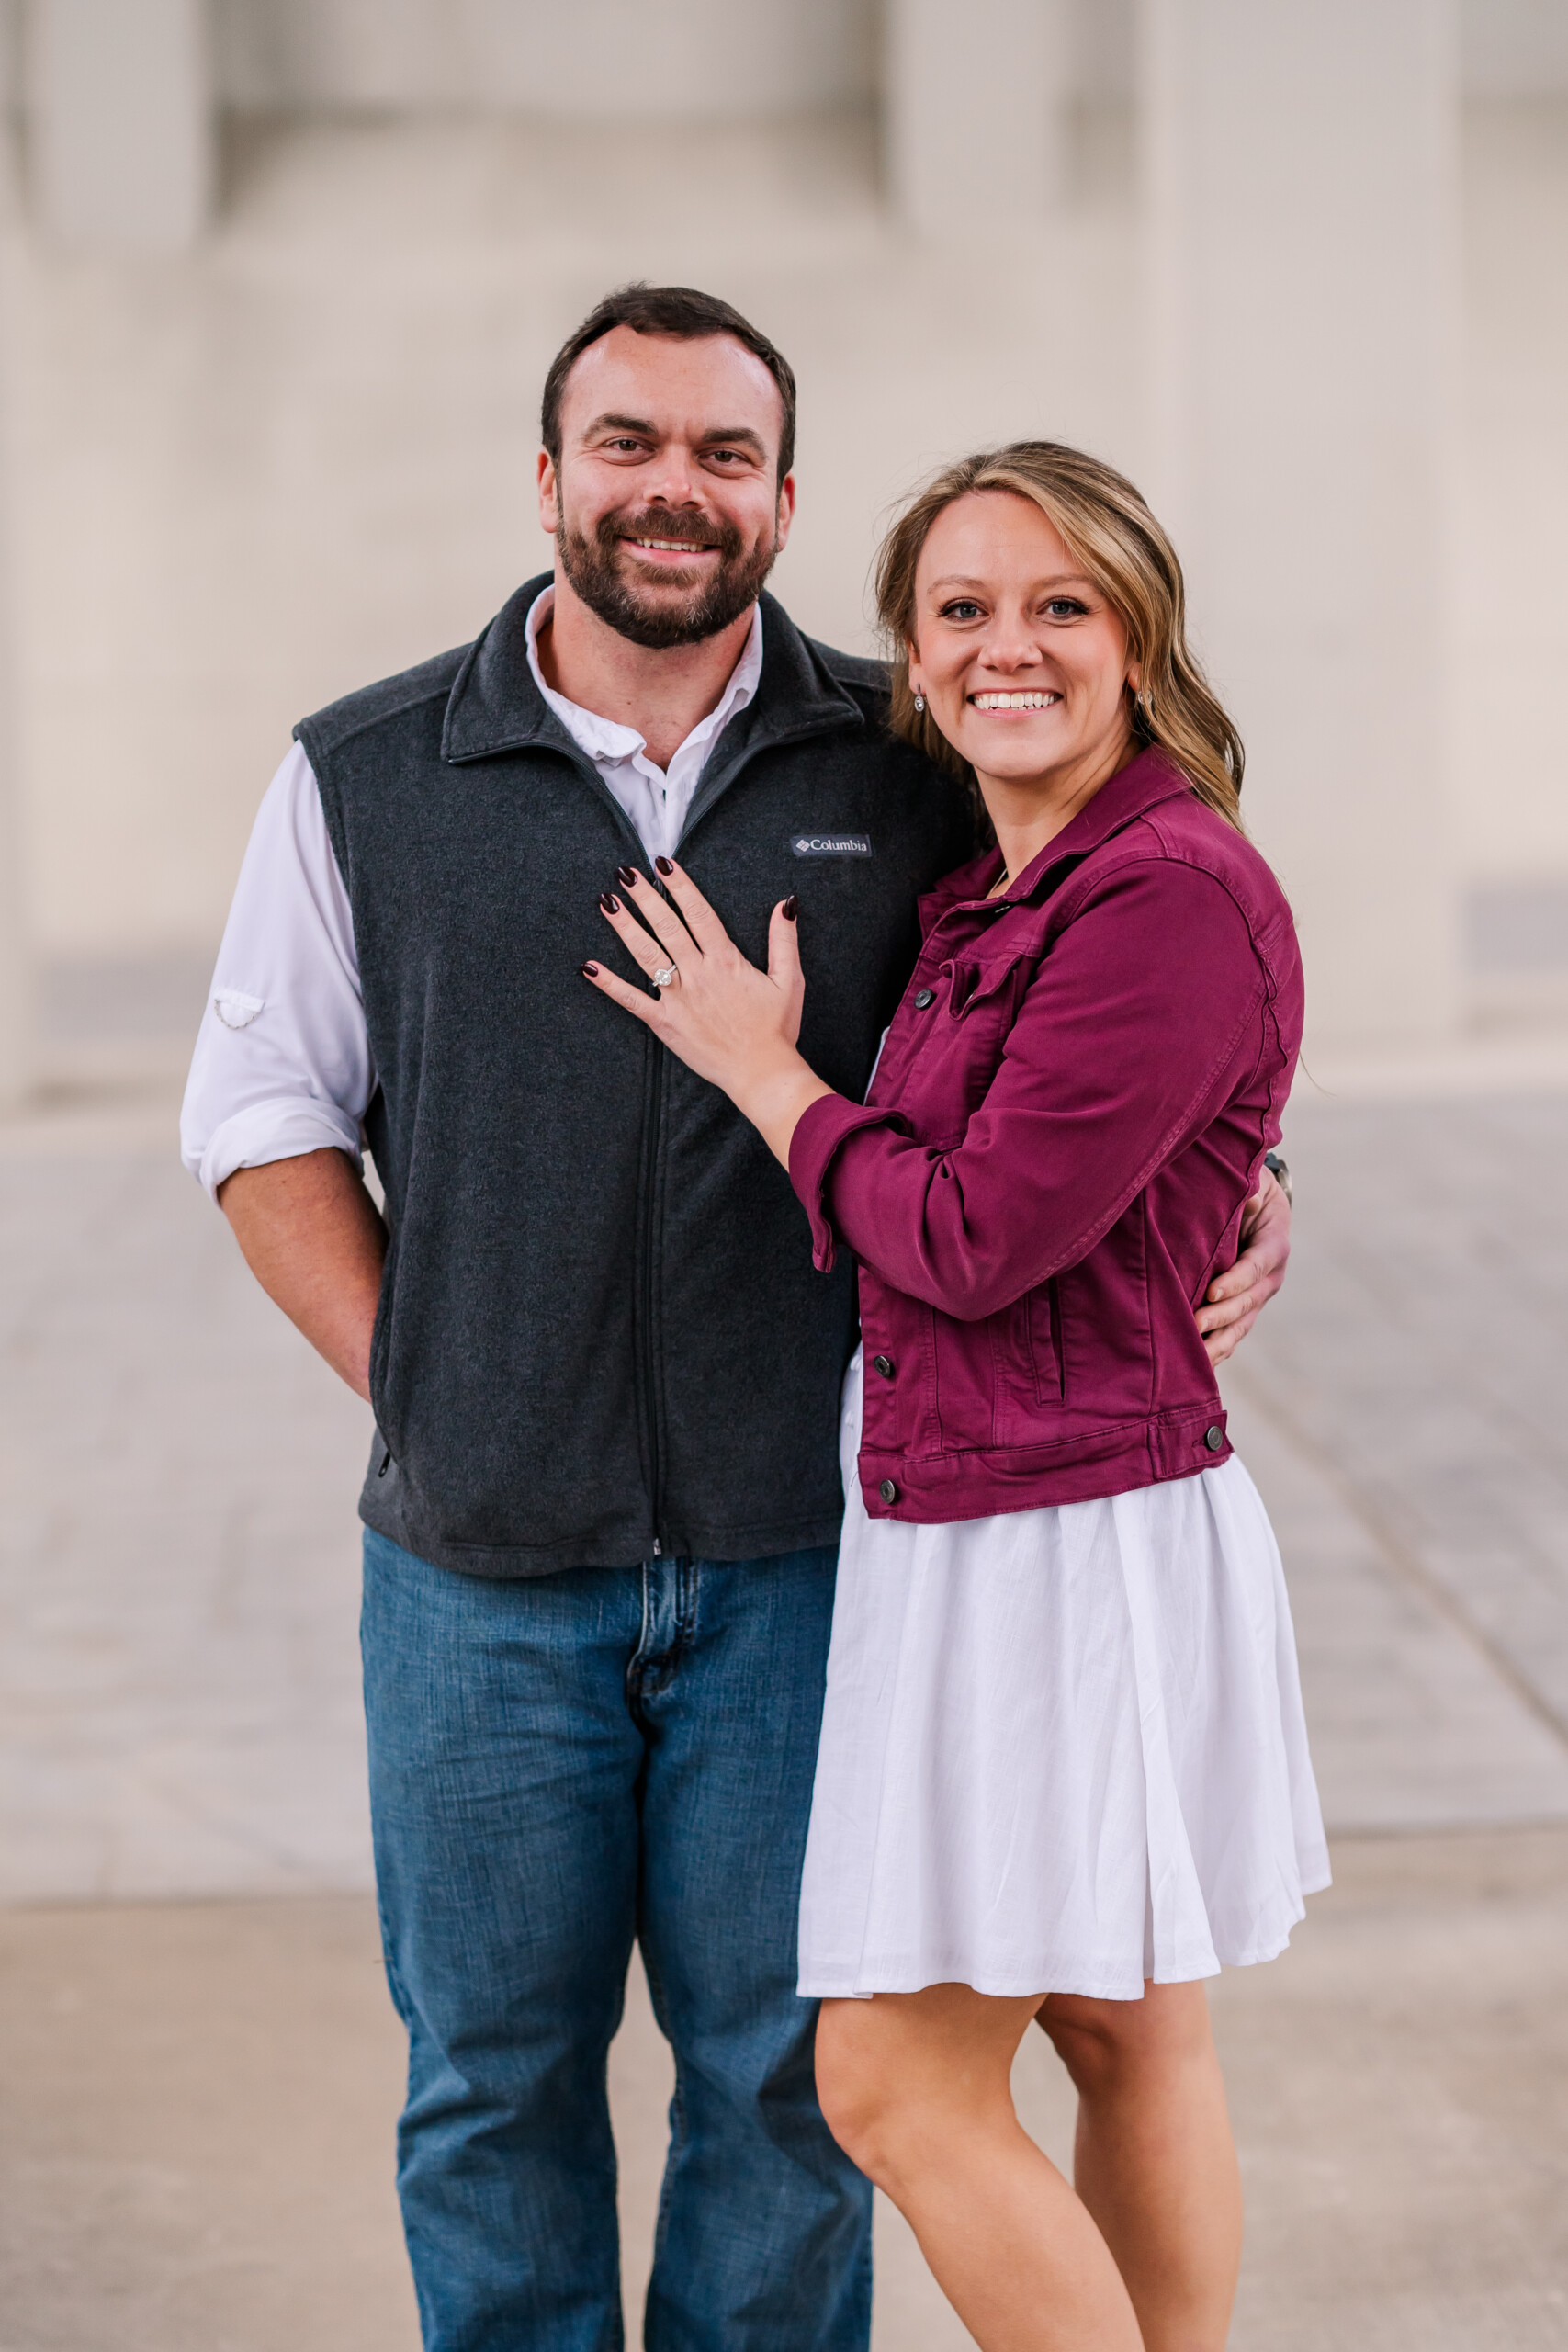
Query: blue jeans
x=557 y=1767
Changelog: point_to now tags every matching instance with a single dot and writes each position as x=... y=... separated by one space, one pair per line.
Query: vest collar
x=495 y=707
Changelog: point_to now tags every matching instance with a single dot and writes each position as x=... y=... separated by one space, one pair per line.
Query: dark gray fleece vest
x=600 y=1333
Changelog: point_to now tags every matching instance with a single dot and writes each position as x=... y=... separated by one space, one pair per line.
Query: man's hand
x=1234 y=1302
x=313 y=1238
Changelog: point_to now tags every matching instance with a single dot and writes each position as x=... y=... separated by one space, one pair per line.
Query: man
x=604 y=1497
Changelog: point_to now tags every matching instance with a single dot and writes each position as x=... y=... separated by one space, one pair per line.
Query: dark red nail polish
x=626 y=875
x=665 y=865
x=609 y=902
x=591 y=971
x=791 y=908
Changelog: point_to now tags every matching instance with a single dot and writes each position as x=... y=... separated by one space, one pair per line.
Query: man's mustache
x=694 y=530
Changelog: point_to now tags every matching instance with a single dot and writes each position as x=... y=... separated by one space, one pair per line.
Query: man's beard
x=593 y=566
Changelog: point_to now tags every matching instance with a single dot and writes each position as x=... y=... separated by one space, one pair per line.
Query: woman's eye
x=1064 y=608
x=963 y=608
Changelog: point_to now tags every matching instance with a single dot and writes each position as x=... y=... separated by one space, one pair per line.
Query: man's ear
x=785 y=514
x=549 y=506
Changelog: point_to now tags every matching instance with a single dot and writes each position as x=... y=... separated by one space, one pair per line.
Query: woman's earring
x=920 y=701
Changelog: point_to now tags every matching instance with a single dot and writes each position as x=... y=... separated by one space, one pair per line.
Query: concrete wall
x=1508 y=49
x=707 y=56
x=1513 y=49
x=1303 y=306
x=121 y=145
x=622 y=59
x=247 y=477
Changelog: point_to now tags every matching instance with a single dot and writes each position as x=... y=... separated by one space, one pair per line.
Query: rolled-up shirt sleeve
x=282 y=1063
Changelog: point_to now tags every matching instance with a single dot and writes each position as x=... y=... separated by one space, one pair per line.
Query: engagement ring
x=666 y=975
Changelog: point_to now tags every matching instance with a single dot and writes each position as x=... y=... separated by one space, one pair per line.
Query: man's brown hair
x=678 y=310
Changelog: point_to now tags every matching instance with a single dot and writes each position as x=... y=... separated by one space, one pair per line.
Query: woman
x=1062 y=1773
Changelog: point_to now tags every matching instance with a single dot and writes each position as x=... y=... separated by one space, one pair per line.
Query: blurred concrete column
x=120 y=121
x=976 y=114
x=1301 y=186
x=15 y=963
x=16 y=1072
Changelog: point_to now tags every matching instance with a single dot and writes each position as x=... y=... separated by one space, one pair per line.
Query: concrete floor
x=198 y=2101
x=197 y=2096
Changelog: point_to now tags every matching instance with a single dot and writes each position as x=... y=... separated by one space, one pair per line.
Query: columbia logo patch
x=832 y=845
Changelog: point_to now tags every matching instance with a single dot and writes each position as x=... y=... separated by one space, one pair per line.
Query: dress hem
x=1012 y=1986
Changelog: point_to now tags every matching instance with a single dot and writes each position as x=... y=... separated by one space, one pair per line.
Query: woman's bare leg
x=915 y=2089
x=1155 y=2162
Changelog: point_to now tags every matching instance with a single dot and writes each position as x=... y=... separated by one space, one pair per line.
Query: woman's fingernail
x=609 y=902
x=791 y=908
x=591 y=971
x=626 y=875
x=665 y=865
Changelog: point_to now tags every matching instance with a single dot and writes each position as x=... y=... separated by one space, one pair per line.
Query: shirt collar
x=495 y=705
x=606 y=739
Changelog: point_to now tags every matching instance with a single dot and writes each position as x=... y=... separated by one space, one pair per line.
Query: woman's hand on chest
x=731 y=1024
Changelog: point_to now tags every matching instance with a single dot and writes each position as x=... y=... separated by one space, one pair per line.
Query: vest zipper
x=647 y=1351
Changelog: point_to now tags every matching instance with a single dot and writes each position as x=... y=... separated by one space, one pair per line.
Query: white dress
x=1062 y=1750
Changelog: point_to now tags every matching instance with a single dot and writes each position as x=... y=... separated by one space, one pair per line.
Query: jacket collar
x=495 y=705
x=1151 y=778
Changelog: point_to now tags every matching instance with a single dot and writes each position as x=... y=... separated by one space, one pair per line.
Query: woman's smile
x=1014 y=699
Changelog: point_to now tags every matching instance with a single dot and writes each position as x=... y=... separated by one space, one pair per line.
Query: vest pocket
x=380 y=1344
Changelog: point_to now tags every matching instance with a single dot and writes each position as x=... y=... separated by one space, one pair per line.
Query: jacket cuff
x=818 y=1132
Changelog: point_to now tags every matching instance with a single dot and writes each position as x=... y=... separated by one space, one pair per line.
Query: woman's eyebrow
x=1061 y=580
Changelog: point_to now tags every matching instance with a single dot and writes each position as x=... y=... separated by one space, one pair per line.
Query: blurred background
x=279 y=281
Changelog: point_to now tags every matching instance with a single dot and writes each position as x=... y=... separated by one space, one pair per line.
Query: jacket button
x=1213 y=1437
x=884 y=1365
x=925 y=997
x=888 y=1491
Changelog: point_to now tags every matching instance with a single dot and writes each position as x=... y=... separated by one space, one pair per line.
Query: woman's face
x=1020 y=656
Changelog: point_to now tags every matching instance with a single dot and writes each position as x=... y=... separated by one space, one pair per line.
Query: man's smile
x=672 y=555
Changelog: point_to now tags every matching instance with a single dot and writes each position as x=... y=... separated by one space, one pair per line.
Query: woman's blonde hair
x=1106 y=527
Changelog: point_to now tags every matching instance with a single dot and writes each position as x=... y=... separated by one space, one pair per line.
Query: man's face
x=666 y=508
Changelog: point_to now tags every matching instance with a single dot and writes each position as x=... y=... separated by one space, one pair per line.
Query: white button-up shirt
x=282 y=1062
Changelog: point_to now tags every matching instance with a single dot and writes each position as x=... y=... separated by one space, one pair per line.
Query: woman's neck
x=1028 y=812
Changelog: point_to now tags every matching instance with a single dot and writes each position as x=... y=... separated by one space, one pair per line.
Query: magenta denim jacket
x=1072 y=1105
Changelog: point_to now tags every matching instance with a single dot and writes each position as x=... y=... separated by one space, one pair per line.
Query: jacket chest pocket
x=983 y=1004
x=979 y=992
